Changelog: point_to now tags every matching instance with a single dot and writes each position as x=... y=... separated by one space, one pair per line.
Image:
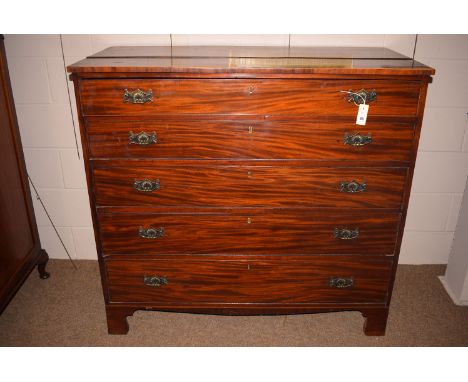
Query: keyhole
x=250 y=129
x=249 y=220
x=249 y=173
x=251 y=89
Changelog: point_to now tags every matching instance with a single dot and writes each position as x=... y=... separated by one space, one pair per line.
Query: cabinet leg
x=41 y=265
x=117 y=319
x=376 y=321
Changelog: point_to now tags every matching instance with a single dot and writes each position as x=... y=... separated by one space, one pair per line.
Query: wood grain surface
x=234 y=139
x=249 y=232
x=249 y=281
x=189 y=184
x=232 y=96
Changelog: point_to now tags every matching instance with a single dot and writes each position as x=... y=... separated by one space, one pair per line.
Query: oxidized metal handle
x=341 y=282
x=357 y=139
x=146 y=185
x=362 y=96
x=142 y=138
x=155 y=281
x=137 y=96
x=352 y=187
x=346 y=233
x=151 y=233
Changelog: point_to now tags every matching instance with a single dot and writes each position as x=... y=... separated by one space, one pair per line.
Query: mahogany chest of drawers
x=231 y=180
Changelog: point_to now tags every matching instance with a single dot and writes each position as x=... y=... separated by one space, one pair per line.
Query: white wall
x=442 y=164
x=455 y=280
x=40 y=90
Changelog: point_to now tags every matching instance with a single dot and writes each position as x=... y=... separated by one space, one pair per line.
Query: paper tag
x=362 y=114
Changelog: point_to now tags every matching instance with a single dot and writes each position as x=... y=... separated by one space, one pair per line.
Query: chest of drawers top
x=198 y=61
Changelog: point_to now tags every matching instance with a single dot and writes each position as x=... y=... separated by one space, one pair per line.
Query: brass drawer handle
x=352 y=187
x=146 y=185
x=155 y=281
x=346 y=234
x=142 y=138
x=362 y=96
x=137 y=96
x=151 y=233
x=357 y=139
x=341 y=282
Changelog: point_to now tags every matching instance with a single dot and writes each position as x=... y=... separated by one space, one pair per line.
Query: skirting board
x=449 y=291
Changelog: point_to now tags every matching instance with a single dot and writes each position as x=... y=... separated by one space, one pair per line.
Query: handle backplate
x=146 y=185
x=150 y=232
x=352 y=187
x=137 y=96
x=142 y=139
x=155 y=281
x=346 y=233
x=362 y=96
x=341 y=282
x=357 y=139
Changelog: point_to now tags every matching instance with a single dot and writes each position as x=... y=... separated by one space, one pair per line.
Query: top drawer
x=246 y=97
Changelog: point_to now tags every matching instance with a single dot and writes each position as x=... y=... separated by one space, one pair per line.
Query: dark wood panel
x=109 y=138
x=15 y=219
x=249 y=281
x=189 y=184
x=249 y=232
x=20 y=248
x=105 y=97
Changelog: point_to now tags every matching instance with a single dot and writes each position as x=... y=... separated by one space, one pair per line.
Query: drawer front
x=248 y=232
x=251 y=139
x=237 y=186
x=311 y=280
x=233 y=96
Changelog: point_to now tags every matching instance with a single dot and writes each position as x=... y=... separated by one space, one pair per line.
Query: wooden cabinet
x=20 y=248
x=231 y=180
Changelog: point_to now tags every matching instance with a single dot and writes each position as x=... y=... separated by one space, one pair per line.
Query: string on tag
x=363 y=108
